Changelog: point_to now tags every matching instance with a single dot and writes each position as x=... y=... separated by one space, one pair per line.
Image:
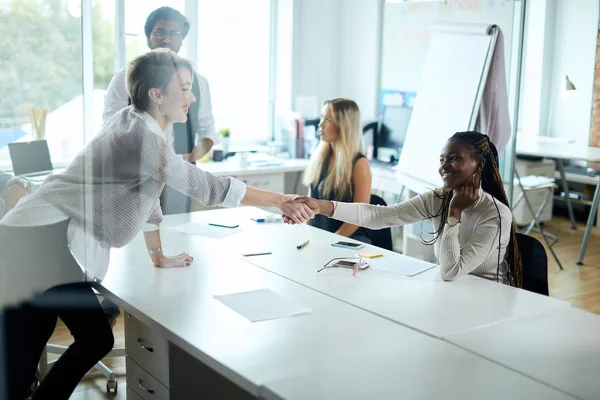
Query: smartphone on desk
x=350 y=264
x=348 y=245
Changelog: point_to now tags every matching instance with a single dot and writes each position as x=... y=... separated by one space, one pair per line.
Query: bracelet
x=154 y=251
x=19 y=181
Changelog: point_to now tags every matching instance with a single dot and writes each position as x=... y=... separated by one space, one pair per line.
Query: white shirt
x=117 y=98
x=474 y=246
x=127 y=129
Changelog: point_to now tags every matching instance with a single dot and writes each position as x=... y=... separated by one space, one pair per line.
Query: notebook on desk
x=30 y=158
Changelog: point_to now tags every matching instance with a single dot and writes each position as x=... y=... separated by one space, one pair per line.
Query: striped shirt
x=111 y=189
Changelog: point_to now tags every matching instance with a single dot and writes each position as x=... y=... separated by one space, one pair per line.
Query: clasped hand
x=311 y=204
x=295 y=210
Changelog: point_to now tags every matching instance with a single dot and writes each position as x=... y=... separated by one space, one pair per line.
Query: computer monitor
x=395 y=124
x=30 y=157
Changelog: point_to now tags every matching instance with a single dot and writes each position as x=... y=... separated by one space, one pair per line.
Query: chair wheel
x=112 y=387
x=36 y=382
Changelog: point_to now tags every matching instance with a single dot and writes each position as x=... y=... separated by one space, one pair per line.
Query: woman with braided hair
x=473 y=224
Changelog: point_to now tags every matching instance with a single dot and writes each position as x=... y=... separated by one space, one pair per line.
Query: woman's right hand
x=180 y=260
x=316 y=206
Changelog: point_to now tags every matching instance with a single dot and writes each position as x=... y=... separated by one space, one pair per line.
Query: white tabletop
x=179 y=302
x=328 y=345
x=437 y=373
x=232 y=166
x=560 y=348
x=424 y=302
x=546 y=147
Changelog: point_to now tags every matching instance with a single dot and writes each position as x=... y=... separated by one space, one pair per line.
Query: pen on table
x=256 y=254
x=300 y=246
x=268 y=219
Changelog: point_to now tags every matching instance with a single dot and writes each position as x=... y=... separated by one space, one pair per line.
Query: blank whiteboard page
x=453 y=70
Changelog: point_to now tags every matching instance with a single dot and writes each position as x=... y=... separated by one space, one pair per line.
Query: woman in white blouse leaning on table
x=107 y=195
x=472 y=222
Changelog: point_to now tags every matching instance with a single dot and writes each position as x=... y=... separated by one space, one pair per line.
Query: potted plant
x=226 y=138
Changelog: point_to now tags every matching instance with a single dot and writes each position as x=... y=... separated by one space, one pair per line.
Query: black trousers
x=28 y=328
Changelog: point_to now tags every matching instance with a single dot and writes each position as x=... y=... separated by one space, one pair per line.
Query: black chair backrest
x=381 y=237
x=535 y=264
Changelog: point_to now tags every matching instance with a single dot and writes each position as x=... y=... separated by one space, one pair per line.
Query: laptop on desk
x=30 y=159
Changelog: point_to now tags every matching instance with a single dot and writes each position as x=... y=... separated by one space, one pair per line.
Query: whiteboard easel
x=452 y=83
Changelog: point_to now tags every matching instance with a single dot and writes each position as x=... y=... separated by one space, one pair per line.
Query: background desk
x=281 y=176
x=337 y=348
x=560 y=152
x=267 y=176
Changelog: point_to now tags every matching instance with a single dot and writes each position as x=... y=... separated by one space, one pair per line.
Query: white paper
x=406 y=267
x=533 y=181
x=204 y=229
x=261 y=305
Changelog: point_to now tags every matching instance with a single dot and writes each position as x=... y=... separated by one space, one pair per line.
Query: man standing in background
x=166 y=27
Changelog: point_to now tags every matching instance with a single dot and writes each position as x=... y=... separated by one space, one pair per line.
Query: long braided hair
x=483 y=149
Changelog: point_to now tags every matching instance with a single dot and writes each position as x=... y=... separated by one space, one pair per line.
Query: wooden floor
x=580 y=285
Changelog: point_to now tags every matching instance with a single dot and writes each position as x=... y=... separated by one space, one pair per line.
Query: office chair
x=111 y=384
x=313 y=122
x=380 y=237
x=535 y=264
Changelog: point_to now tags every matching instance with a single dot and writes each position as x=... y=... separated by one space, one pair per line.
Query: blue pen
x=267 y=219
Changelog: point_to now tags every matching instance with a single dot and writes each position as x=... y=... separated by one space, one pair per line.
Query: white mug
x=243 y=160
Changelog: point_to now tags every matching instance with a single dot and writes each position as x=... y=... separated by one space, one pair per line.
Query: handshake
x=299 y=209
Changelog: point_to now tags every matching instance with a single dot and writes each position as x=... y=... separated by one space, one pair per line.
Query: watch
x=452 y=221
x=19 y=181
x=154 y=251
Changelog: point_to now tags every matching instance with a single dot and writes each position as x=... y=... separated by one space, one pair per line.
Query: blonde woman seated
x=338 y=169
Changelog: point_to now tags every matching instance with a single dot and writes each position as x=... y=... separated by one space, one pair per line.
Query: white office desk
x=413 y=375
x=559 y=348
x=566 y=151
x=423 y=303
x=232 y=167
x=180 y=304
x=338 y=345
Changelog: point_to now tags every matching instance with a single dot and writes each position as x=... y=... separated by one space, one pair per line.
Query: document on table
x=262 y=305
x=407 y=266
x=204 y=229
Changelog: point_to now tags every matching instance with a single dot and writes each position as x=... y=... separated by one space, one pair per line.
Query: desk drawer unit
x=272 y=182
x=144 y=384
x=147 y=348
x=132 y=395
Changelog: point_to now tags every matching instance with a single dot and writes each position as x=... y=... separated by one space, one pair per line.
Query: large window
x=233 y=54
x=41 y=66
x=47 y=62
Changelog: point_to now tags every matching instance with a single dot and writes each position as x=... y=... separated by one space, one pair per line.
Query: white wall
x=359 y=59
x=532 y=72
x=336 y=51
x=575 y=34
